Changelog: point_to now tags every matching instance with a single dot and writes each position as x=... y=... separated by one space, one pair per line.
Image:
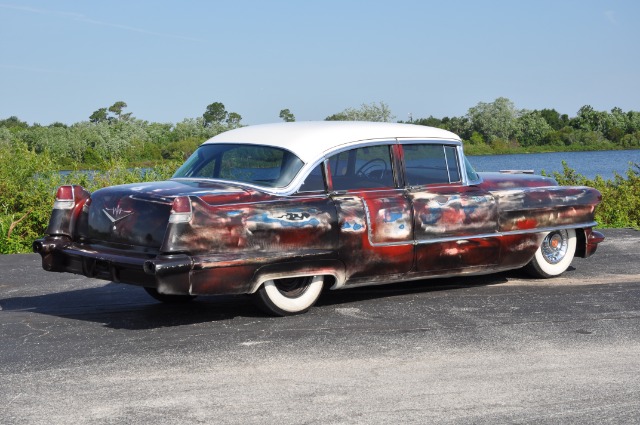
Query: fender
x=334 y=268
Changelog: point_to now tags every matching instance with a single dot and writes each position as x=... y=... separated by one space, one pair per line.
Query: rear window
x=255 y=164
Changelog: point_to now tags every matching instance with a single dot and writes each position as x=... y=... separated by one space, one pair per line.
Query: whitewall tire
x=554 y=255
x=285 y=297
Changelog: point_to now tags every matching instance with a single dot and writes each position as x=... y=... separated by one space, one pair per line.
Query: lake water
x=589 y=164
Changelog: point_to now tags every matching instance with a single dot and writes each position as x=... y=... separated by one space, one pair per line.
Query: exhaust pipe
x=37 y=247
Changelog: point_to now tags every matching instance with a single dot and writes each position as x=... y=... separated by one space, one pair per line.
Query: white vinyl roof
x=313 y=139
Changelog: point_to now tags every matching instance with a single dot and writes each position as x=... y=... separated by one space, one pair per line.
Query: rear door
x=374 y=213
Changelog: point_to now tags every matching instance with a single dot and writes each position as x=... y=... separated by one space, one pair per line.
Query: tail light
x=65 y=199
x=181 y=211
x=66 y=210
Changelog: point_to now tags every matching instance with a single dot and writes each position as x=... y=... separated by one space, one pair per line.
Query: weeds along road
x=492 y=349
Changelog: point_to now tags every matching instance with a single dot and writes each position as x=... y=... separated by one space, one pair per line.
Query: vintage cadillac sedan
x=281 y=211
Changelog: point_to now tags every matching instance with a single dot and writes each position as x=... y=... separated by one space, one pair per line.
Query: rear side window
x=431 y=164
x=314 y=181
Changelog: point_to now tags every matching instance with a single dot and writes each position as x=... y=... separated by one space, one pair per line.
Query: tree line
x=499 y=127
x=112 y=134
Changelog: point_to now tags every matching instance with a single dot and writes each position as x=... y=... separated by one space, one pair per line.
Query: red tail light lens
x=64 y=198
x=65 y=193
x=182 y=204
x=181 y=210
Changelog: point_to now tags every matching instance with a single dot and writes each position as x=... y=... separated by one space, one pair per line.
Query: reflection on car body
x=282 y=211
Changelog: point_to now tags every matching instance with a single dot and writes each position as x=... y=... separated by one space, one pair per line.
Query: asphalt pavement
x=492 y=349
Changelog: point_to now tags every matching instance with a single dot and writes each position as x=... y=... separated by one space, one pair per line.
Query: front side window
x=259 y=165
x=362 y=168
x=430 y=164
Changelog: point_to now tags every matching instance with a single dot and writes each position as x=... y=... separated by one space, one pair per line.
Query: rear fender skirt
x=334 y=268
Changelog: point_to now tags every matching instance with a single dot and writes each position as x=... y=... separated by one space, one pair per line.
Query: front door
x=455 y=225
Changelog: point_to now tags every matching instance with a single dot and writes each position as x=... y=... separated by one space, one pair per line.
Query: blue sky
x=62 y=60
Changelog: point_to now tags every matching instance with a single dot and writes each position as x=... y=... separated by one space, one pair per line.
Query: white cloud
x=83 y=18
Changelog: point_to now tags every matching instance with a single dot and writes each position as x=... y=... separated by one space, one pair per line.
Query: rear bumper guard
x=593 y=239
x=168 y=265
x=167 y=273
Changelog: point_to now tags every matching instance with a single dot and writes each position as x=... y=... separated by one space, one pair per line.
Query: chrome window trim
x=446 y=163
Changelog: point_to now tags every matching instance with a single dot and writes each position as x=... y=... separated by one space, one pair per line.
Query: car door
x=455 y=224
x=374 y=213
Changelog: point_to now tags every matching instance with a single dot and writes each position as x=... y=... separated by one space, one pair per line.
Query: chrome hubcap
x=554 y=246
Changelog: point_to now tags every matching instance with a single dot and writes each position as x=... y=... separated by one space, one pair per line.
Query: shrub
x=620 y=205
x=28 y=183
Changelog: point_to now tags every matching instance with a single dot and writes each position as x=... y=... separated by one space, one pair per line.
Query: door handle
x=341 y=194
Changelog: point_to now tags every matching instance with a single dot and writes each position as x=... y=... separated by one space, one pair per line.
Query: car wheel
x=169 y=298
x=285 y=297
x=554 y=255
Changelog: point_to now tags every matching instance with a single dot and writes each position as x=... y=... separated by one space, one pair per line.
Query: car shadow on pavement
x=121 y=306
x=385 y=291
x=129 y=307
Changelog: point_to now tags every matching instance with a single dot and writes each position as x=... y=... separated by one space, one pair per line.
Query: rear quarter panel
x=271 y=225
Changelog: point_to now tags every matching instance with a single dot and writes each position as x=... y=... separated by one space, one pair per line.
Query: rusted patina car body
x=282 y=210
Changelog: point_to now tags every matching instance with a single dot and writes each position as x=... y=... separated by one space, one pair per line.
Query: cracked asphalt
x=493 y=349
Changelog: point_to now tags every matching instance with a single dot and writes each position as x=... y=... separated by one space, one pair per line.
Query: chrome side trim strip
x=489 y=235
x=509 y=233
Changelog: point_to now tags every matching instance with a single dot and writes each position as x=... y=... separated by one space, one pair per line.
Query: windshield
x=259 y=165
